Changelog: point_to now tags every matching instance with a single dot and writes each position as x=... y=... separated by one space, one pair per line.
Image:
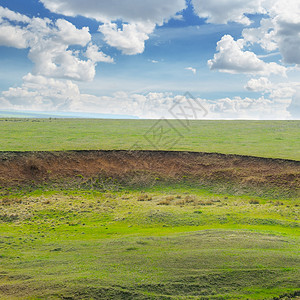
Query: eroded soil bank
x=149 y=167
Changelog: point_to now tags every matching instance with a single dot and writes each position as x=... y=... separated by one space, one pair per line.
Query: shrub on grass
x=9 y=201
x=144 y=197
x=180 y=202
x=205 y=203
x=190 y=199
x=252 y=201
x=164 y=202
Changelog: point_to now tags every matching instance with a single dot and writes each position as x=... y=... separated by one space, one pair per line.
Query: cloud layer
x=39 y=93
x=63 y=53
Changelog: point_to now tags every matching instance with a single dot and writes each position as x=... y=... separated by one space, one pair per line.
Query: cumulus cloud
x=49 y=44
x=294 y=107
x=136 y=11
x=68 y=34
x=41 y=93
x=288 y=38
x=279 y=30
x=222 y=12
x=248 y=108
x=130 y=39
x=261 y=84
x=275 y=34
x=6 y=13
x=231 y=58
x=193 y=70
x=263 y=35
x=13 y=36
x=139 y=18
x=281 y=90
x=286 y=94
x=178 y=17
x=49 y=50
x=95 y=55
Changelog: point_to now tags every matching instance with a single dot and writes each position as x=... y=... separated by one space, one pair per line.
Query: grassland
x=274 y=139
x=172 y=243
x=149 y=225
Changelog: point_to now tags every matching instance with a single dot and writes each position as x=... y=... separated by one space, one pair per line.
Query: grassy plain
x=274 y=139
x=167 y=241
x=155 y=243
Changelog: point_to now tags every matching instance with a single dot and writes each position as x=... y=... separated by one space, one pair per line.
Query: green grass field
x=150 y=244
x=167 y=241
x=275 y=139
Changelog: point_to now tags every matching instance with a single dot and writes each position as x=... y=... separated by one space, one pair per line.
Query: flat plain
x=274 y=139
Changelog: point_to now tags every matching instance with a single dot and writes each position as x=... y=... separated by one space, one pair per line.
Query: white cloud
x=178 y=17
x=294 y=107
x=261 y=84
x=130 y=39
x=41 y=93
x=5 y=104
x=263 y=35
x=224 y=11
x=136 y=11
x=248 y=108
x=68 y=34
x=49 y=50
x=11 y=32
x=95 y=55
x=275 y=34
x=6 y=13
x=139 y=18
x=49 y=46
x=231 y=58
x=282 y=94
x=279 y=30
x=44 y=94
x=50 y=42
x=193 y=70
x=279 y=90
x=13 y=36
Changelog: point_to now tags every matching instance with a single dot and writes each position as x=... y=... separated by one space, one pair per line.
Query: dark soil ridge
x=141 y=167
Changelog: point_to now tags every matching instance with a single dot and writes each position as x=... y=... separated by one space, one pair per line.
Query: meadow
x=67 y=233
x=179 y=243
x=274 y=139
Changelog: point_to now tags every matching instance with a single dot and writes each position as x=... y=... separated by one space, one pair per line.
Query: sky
x=219 y=59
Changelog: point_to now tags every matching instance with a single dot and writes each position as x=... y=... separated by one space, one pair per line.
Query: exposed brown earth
x=17 y=168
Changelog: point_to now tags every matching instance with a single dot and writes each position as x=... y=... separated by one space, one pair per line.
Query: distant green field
x=276 y=139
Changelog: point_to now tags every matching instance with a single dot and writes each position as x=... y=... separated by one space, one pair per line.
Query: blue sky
x=240 y=59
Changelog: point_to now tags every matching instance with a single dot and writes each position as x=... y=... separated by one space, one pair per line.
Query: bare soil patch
x=18 y=168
